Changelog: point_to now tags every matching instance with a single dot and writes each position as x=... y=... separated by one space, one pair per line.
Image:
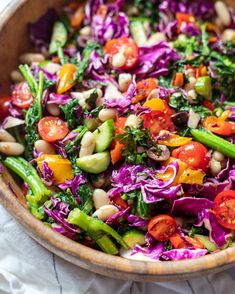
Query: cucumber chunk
x=104 y=135
x=206 y=242
x=134 y=237
x=95 y=163
x=203 y=87
x=59 y=37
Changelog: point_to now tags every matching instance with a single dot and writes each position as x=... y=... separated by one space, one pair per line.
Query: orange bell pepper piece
x=177 y=242
x=78 y=17
x=61 y=167
x=179 y=79
x=116 y=153
x=66 y=78
x=120 y=125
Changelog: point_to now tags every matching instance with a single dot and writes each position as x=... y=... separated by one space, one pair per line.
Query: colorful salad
x=121 y=126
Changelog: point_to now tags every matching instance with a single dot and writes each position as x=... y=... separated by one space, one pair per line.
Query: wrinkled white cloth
x=28 y=268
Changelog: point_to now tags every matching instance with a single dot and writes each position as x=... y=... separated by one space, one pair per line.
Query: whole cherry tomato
x=224 y=209
x=52 y=128
x=162 y=227
x=22 y=96
x=128 y=47
x=194 y=154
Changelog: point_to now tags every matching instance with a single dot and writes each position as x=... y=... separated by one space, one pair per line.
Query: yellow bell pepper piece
x=61 y=167
x=185 y=175
x=175 y=141
x=169 y=173
x=191 y=176
x=66 y=78
x=155 y=104
x=225 y=115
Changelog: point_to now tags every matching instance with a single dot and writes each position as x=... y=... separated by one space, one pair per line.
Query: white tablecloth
x=27 y=268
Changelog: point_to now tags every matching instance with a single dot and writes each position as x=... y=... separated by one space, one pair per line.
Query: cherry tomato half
x=225 y=209
x=4 y=106
x=52 y=128
x=22 y=96
x=162 y=227
x=127 y=46
x=219 y=126
x=194 y=154
x=120 y=125
x=156 y=121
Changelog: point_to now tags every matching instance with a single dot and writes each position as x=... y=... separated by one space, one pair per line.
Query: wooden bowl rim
x=167 y=269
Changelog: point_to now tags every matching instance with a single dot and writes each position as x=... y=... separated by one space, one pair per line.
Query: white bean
x=132 y=121
x=87 y=94
x=192 y=96
x=31 y=57
x=228 y=35
x=223 y=13
x=16 y=76
x=191 y=84
x=99 y=182
x=87 y=144
x=100 y=198
x=118 y=60
x=218 y=156
x=124 y=81
x=85 y=31
x=44 y=147
x=190 y=73
x=10 y=148
x=52 y=67
x=215 y=167
x=106 y=212
x=6 y=137
x=157 y=37
x=182 y=37
x=53 y=109
x=99 y=101
x=106 y=114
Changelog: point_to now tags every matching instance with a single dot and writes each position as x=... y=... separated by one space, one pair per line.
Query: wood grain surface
x=13 y=41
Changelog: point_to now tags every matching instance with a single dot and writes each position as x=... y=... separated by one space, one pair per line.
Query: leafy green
x=197 y=231
x=180 y=102
x=142 y=208
x=82 y=66
x=132 y=138
x=68 y=198
x=71 y=146
x=148 y=9
x=33 y=115
x=186 y=46
x=91 y=100
x=70 y=113
x=85 y=195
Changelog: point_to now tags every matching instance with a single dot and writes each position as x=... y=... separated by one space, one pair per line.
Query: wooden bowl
x=13 y=41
